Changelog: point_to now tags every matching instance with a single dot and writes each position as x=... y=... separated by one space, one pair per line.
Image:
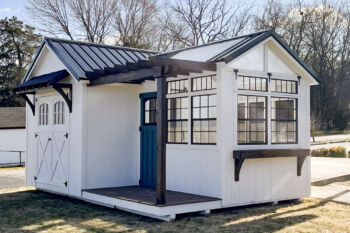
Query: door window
x=150 y=111
x=58 y=113
x=43 y=114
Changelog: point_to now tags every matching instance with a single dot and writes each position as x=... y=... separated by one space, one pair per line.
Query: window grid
x=284 y=120
x=204 y=119
x=252 y=83
x=251 y=115
x=44 y=114
x=59 y=113
x=204 y=83
x=284 y=86
x=177 y=86
x=150 y=111
x=177 y=120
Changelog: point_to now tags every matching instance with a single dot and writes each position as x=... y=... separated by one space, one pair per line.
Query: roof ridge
x=98 y=44
x=214 y=42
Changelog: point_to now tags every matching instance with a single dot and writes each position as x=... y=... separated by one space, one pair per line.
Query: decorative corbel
x=58 y=87
x=31 y=105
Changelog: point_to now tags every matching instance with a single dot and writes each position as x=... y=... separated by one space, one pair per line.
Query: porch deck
x=145 y=195
x=142 y=200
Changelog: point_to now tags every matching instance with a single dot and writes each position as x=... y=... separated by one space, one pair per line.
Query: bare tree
x=319 y=33
x=52 y=16
x=134 y=22
x=94 y=16
x=204 y=21
x=87 y=19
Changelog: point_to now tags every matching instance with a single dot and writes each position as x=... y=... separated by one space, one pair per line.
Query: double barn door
x=52 y=143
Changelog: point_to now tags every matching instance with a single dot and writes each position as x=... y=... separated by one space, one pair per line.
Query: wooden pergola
x=158 y=68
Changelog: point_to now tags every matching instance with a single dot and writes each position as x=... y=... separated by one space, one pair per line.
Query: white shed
x=207 y=127
x=13 y=137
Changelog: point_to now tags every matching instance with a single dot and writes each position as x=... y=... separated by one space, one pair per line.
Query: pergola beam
x=131 y=76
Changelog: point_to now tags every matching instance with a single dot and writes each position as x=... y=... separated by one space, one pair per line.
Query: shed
x=159 y=134
x=12 y=136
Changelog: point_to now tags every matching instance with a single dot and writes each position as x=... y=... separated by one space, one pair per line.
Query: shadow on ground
x=33 y=211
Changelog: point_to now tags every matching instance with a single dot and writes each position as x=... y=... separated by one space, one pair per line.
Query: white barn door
x=52 y=140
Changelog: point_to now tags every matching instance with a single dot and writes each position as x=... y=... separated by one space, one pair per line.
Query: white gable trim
x=304 y=74
x=37 y=59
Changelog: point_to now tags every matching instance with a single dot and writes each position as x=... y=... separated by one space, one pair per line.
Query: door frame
x=143 y=98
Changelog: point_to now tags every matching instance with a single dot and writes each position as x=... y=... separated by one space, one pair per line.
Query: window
x=43 y=114
x=283 y=86
x=252 y=83
x=178 y=86
x=204 y=83
x=150 y=111
x=204 y=119
x=284 y=120
x=178 y=120
x=251 y=119
x=58 y=113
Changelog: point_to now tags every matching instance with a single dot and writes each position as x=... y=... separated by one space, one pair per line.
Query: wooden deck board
x=147 y=195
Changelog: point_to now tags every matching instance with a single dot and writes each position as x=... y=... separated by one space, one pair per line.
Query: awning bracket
x=31 y=105
x=59 y=88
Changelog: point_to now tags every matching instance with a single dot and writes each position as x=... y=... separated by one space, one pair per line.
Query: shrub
x=335 y=152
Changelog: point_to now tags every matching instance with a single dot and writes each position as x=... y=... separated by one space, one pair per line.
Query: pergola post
x=161 y=140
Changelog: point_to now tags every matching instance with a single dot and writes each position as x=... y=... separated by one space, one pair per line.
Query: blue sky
x=8 y=8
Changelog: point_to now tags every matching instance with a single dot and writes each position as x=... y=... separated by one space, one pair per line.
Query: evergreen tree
x=18 y=42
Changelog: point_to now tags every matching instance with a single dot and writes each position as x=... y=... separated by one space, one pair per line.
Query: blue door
x=148 y=139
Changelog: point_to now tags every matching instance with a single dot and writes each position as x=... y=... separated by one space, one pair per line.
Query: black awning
x=42 y=81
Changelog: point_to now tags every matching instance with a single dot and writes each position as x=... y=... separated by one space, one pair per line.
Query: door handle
x=66 y=135
x=49 y=139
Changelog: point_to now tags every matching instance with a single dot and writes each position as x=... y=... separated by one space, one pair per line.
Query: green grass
x=28 y=210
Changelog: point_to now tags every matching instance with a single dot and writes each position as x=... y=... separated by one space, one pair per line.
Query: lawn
x=29 y=210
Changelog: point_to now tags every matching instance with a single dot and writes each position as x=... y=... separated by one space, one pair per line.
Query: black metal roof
x=234 y=47
x=42 y=81
x=90 y=60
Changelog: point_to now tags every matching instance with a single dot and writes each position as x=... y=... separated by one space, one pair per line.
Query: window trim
x=266 y=119
x=200 y=77
x=203 y=119
x=296 y=122
x=255 y=77
x=177 y=120
x=174 y=81
x=288 y=80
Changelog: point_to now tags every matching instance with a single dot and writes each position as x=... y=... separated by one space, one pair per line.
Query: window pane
x=251 y=128
x=206 y=112
x=283 y=120
x=177 y=86
x=177 y=120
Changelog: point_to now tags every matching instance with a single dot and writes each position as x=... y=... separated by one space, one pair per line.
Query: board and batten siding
x=266 y=179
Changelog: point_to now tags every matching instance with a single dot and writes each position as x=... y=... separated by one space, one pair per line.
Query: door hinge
x=35 y=178
x=140 y=182
x=36 y=135
x=140 y=128
x=66 y=135
x=65 y=183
